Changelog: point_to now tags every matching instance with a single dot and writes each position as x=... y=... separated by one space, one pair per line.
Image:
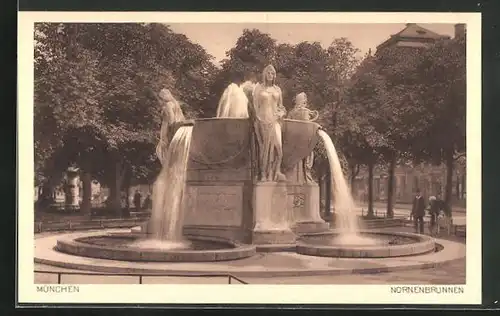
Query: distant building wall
x=431 y=180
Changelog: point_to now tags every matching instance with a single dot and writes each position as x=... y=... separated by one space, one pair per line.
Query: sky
x=217 y=38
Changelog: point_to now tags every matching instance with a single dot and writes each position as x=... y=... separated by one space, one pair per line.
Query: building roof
x=413 y=30
x=413 y=33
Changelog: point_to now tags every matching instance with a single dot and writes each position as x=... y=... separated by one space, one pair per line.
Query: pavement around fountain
x=459 y=219
x=446 y=266
x=451 y=273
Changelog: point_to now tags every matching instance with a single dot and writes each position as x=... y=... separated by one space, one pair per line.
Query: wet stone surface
x=378 y=239
x=124 y=242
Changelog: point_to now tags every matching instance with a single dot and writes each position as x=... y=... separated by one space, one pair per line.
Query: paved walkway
x=458 y=218
x=451 y=273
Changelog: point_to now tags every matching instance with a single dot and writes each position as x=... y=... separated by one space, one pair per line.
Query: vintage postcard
x=291 y=158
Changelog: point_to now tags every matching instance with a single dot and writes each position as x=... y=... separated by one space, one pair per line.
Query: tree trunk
x=449 y=178
x=86 y=206
x=390 y=187
x=354 y=174
x=462 y=192
x=46 y=196
x=370 y=190
x=127 y=196
x=127 y=183
x=115 y=197
x=47 y=190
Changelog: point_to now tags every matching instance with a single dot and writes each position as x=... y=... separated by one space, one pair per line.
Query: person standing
x=418 y=212
x=437 y=206
x=148 y=203
x=137 y=200
x=433 y=212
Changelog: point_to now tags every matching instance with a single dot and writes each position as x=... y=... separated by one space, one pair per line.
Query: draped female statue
x=268 y=112
x=171 y=114
x=301 y=112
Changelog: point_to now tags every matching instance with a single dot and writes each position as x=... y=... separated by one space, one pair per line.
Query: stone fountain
x=224 y=197
x=241 y=185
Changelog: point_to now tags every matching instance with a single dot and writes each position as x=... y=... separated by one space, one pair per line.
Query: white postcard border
x=263 y=294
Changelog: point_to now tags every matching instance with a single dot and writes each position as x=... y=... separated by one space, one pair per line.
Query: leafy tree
x=342 y=65
x=344 y=59
x=398 y=118
x=192 y=68
x=66 y=87
x=252 y=52
x=442 y=74
x=355 y=131
x=93 y=95
x=307 y=70
x=420 y=98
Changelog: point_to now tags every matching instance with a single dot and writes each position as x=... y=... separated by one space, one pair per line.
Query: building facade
x=430 y=180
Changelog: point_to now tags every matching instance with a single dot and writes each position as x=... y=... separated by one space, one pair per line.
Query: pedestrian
x=434 y=209
x=418 y=212
x=442 y=209
x=137 y=200
x=148 y=203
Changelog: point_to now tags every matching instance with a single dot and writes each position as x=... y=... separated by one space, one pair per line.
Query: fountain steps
x=71 y=225
x=378 y=223
x=382 y=223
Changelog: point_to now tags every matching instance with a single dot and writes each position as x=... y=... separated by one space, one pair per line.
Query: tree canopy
x=94 y=104
x=93 y=94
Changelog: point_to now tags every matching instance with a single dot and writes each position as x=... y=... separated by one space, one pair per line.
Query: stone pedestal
x=72 y=194
x=303 y=200
x=271 y=214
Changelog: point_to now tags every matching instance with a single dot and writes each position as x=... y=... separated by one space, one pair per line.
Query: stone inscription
x=214 y=205
x=219 y=175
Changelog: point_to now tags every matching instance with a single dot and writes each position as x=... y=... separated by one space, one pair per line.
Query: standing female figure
x=269 y=112
x=171 y=114
x=302 y=113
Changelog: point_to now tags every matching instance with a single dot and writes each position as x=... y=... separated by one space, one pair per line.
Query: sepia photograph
x=256 y=153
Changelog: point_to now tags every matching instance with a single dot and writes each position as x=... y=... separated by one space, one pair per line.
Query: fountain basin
x=223 y=142
x=383 y=245
x=121 y=246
